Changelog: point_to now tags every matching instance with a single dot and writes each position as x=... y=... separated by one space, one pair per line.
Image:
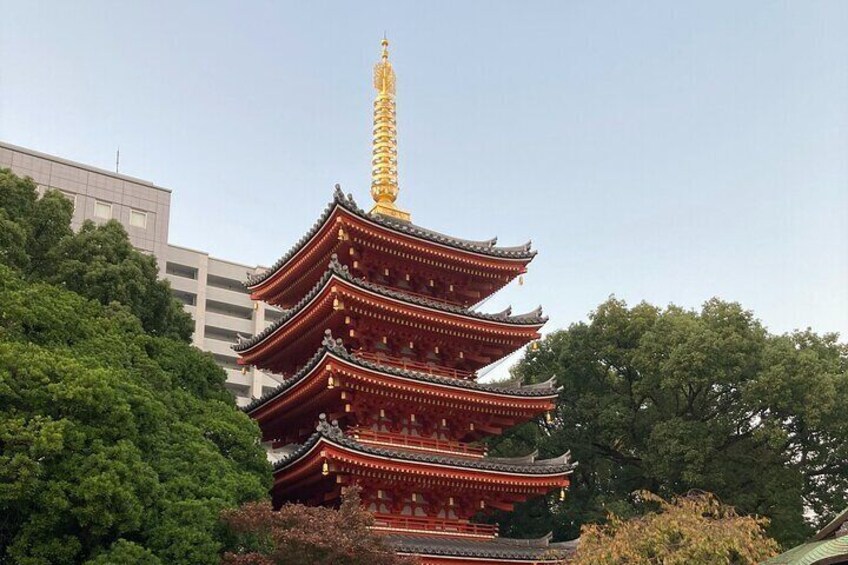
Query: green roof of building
x=827 y=548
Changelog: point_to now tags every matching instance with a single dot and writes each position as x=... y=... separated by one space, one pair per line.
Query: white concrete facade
x=209 y=288
x=211 y=291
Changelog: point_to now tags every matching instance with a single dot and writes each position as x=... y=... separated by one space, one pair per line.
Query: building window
x=138 y=219
x=226 y=283
x=187 y=298
x=220 y=334
x=228 y=309
x=102 y=210
x=181 y=270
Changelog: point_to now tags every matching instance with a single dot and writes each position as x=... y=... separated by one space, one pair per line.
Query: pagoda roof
x=346 y=202
x=534 y=550
x=339 y=271
x=829 y=546
x=336 y=348
x=333 y=434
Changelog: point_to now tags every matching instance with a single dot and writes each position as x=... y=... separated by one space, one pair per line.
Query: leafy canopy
x=98 y=262
x=118 y=440
x=695 y=528
x=672 y=400
x=303 y=535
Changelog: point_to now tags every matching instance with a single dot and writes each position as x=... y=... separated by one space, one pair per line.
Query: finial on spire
x=384 y=183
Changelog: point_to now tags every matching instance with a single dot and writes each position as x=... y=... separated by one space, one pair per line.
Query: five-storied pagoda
x=378 y=347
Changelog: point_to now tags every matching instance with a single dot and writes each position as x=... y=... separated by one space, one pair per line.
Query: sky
x=660 y=151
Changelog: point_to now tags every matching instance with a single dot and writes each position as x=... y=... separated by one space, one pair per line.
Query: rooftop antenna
x=117 y=158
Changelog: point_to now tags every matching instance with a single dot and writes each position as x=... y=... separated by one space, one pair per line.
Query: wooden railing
x=442 y=446
x=410 y=365
x=431 y=526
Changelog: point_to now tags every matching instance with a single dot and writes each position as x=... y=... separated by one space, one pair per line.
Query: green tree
x=114 y=444
x=118 y=440
x=99 y=262
x=48 y=223
x=695 y=528
x=672 y=400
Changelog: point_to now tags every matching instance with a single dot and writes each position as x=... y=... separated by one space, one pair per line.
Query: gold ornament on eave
x=384 y=175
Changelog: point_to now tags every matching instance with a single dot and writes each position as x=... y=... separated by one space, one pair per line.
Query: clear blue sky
x=659 y=151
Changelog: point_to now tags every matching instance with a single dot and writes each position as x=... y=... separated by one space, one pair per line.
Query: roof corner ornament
x=329 y=429
x=384 y=177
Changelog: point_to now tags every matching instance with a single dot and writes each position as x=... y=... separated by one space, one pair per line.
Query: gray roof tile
x=485 y=247
x=520 y=465
x=337 y=348
x=532 y=318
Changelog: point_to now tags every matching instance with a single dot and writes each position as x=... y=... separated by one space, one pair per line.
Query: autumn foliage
x=696 y=528
x=305 y=535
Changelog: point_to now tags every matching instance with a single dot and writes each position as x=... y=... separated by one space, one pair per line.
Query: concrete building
x=98 y=195
x=210 y=289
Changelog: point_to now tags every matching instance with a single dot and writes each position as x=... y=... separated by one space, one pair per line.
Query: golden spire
x=384 y=179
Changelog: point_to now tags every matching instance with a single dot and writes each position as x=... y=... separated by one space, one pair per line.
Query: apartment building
x=210 y=289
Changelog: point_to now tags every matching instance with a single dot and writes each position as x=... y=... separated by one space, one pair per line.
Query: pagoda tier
x=433 y=550
x=408 y=491
x=413 y=409
x=392 y=253
x=399 y=327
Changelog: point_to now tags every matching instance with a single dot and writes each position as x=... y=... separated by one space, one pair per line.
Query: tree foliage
x=672 y=400
x=98 y=262
x=112 y=440
x=302 y=535
x=118 y=443
x=695 y=528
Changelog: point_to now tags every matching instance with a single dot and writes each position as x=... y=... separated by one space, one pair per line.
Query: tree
x=298 y=534
x=99 y=262
x=672 y=400
x=115 y=445
x=118 y=440
x=695 y=528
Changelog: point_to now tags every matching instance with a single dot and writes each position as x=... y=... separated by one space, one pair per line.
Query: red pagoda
x=379 y=346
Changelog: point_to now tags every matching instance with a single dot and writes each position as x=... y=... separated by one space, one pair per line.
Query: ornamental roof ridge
x=329 y=429
x=337 y=348
x=286 y=314
x=537 y=550
x=559 y=465
x=346 y=201
x=334 y=267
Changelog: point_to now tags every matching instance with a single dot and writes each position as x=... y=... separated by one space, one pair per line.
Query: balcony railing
x=416 y=443
x=410 y=365
x=431 y=526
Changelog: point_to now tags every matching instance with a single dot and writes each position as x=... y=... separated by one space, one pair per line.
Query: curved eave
x=497 y=550
x=422 y=236
x=460 y=387
x=335 y=274
x=388 y=457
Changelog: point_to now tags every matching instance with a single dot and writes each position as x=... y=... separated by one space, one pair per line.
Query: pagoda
x=379 y=347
